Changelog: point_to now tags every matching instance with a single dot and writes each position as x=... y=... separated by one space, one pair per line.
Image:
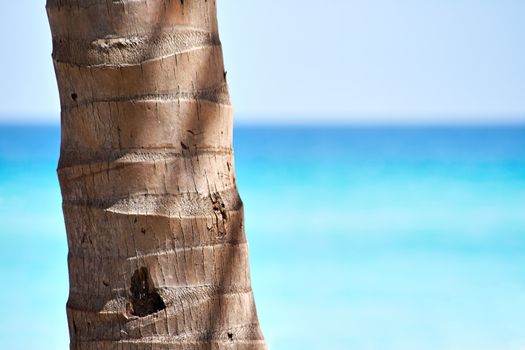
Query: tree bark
x=158 y=257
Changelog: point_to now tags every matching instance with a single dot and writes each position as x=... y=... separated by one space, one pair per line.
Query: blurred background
x=380 y=153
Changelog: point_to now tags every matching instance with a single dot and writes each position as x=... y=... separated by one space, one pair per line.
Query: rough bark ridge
x=157 y=253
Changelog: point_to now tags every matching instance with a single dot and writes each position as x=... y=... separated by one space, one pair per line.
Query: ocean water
x=360 y=238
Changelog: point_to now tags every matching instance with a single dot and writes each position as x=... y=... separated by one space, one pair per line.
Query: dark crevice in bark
x=144 y=298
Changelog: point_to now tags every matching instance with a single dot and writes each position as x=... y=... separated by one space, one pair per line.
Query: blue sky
x=369 y=61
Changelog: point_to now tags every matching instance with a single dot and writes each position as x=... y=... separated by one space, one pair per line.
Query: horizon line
x=312 y=120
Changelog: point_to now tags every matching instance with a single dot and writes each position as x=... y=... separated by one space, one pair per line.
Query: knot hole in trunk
x=144 y=297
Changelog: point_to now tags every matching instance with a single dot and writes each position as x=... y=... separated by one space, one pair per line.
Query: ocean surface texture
x=360 y=238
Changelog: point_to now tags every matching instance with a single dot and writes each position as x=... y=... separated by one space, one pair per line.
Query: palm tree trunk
x=157 y=258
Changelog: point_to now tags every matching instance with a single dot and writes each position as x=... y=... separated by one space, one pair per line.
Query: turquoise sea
x=394 y=238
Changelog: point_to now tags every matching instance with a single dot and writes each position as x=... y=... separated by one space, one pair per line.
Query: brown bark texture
x=158 y=257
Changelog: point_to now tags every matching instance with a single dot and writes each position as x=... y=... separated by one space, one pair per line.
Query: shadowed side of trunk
x=157 y=253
